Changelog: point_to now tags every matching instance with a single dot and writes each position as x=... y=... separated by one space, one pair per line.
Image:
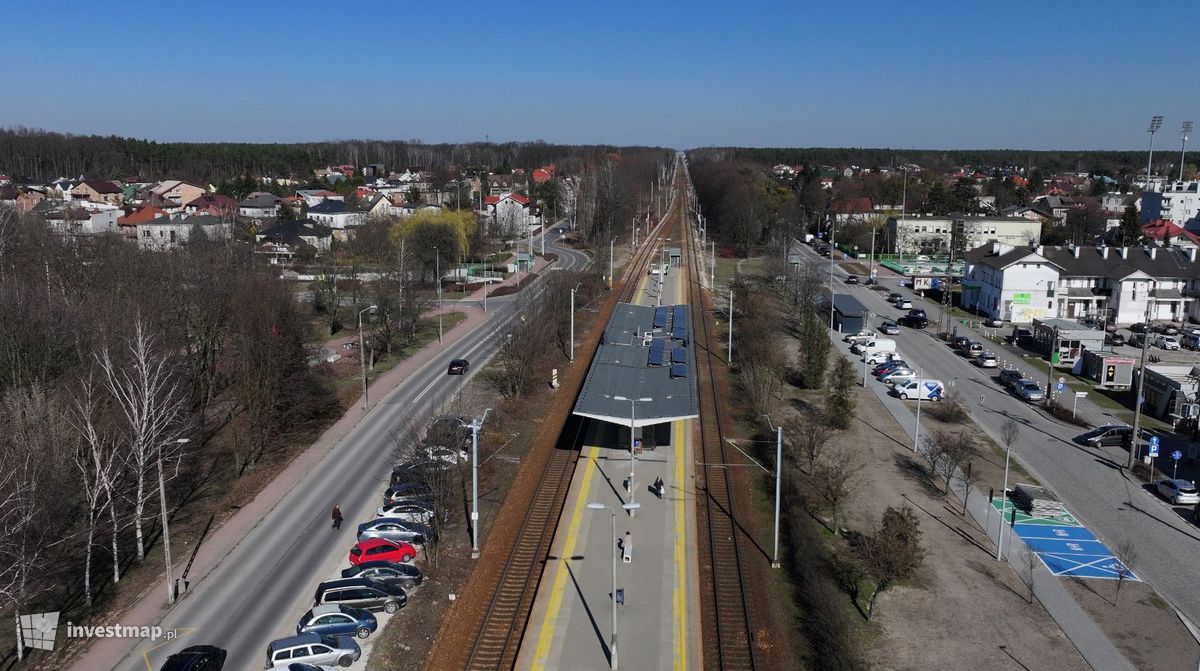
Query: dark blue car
x=337 y=620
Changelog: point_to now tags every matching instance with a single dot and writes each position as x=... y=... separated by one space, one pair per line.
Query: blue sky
x=1022 y=74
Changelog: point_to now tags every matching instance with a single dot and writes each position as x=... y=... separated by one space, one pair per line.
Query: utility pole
x=712 y=272
x=166 y=527
x=573 y=290
x=729 y=360
x=362 y=353
x=1135 y=449
x=871 y=274
x=778 y=483
x=832 y=256
x=475 y=426
x=1050 y=364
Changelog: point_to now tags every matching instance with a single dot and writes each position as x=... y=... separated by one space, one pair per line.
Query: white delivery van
x=924 y=389
x=867 y=344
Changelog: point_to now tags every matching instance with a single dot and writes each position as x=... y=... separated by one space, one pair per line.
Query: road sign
x=1060 y=386
x=1153 y=446
x=1177 y=455
x=1081 y=394
x=637 y=442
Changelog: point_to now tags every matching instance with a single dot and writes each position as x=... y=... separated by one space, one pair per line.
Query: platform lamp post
x=166 y=527
x=362 y=352
x=475 y=426
x=612 y=644
x=632 y=451
x=1155 y=123
x=612 y=281
x=1184 y=131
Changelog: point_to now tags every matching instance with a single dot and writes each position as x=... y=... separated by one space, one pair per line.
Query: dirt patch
x=514 y=288
x=854 y=268
x=1143 y=626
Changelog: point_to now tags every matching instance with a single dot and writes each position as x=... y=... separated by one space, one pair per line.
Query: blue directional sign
x=1153 y=446
x=1177 y=455
x=1060 y=386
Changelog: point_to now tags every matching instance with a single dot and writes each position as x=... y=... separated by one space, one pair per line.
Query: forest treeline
x=44 y=155
x=1099 y=162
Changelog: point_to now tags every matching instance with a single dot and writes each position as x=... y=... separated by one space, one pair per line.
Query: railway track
x=497 y=640
x=725 y=613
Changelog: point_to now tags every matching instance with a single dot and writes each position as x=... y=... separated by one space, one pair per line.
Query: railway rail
x=497 y=638
x=726 y=620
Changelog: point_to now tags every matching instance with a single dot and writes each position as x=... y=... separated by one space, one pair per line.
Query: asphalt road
x=259 y=591
x=1116 y=507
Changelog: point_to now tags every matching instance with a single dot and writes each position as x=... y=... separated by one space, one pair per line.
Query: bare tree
x=806 y=436
x=1126 y=554
x=837 y=476
x=1009 y=432
x=435 y=464
x=144 y=389
x=893 y=552
x=956 y=447
x=1028 y=568
x=94 y=457
x=969 y=479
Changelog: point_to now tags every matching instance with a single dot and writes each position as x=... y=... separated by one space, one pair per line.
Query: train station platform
x=657 y=571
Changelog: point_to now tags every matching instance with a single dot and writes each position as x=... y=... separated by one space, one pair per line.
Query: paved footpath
x=149 y=607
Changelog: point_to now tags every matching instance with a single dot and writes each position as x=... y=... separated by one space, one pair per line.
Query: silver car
x=1029 y=391
x=393 y=529
x=312 y=649
x=986 y=360
x=407 y=511
x=1178 y=492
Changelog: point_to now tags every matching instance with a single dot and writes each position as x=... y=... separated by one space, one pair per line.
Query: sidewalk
x=106 y=653
x=1089 y=640
x=539 y=264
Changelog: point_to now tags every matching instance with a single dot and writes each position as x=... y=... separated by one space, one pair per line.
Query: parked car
x=1137 y=328
x=992 y=322
x=1114 y=339
x=1029 y=391
x=361 y=593
x=1166 y=342
x=896 y=376
x=458 y=367
x=1178 y=492
x=889 y=328
x=392 y=529
x=917 y=312
x=408 y=511
x=904 y=304
x=1107 y=435
x=894 y=296
x=406 y=576
x=924 y=388
x=1009 y=377
x=986 y=360
x=865 y=334
x=312 y=649
x=888 y=366
x=853 y=279
x=196 y=658
x=1190 y=341
x=913 y=321
x=337 y=620
x=960 y=342
x=1166 y=329
x=974 y=349
x=373 y=549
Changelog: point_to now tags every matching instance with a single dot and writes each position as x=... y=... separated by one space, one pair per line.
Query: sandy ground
x=964 y=610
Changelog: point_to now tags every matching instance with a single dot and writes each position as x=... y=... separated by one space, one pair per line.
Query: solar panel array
x=657 y=353
x=679 y=324
x=678 y=370
x=660 y=317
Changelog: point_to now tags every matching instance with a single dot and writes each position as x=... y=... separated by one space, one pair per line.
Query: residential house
x=499 y=185
x=315 y=196
x=167 y=233
x=175 y=191
x=128 y=223
x=377 y=205
x=543 y=174
x=938 y=234
x=1054 y=208
x=373 y=170
x=98 y=191
x=259 y=205
x=409 y=209
x=1122 y=285
x=509 y=213
x=28 y=199
x=71 y=221
x=1168 y=234
x=846 y=210
x=212 y=204
x=335 y=215
x=283 y=241
x=1115 y=201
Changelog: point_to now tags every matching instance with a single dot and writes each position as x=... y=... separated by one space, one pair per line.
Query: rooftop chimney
x=1192 y=254
x=1039 y=250
x=1124 y=252
x=1153 y=252
x=1075 y=252
x=1104 y=252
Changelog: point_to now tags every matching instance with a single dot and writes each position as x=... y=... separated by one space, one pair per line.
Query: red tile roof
x=1164 y=230
x=852 y=206
x=141 y=215
x=491 y=200
x=519 y=198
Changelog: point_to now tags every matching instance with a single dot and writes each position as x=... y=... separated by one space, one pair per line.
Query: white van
x=878 y=356
x=925 y=389
x=868 y=344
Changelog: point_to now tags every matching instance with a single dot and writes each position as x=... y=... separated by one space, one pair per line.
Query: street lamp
x=437 y=273
x=166 y=527
x=612 y=646
x=778 y=482
x=1155 y=124
x=612 y=281
x=488 y=258
x=475 y=426
x=1134 y=448
x=1184 y=131
x=632 y=452
x=573 y=290
x=362 y=352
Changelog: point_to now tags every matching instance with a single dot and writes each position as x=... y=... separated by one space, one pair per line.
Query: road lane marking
x=431 y=383
x=550 y=619
x=679 y=592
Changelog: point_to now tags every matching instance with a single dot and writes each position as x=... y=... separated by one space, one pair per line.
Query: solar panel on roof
x=678 y=370
x=678 y=355
x=657 y=352
x=660 y=318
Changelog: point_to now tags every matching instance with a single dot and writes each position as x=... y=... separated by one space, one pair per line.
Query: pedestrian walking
x=337 y=516
x=658 y=487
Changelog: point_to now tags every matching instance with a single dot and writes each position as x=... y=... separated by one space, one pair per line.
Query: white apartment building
x=1114 y=284
x=913 y=234
x=1178 y=202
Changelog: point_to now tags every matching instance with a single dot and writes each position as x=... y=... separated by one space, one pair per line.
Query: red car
x=378 y=549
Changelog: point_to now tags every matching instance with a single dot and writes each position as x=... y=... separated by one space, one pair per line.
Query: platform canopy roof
x=645 y=353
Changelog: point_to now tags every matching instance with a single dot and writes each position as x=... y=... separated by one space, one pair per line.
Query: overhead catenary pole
x=729 y=358
x=1135 y=449
x=362 y=353
x=573 y=290
x=778 y=484
x=475 y=425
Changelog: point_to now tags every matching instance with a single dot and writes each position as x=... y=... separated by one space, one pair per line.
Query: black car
x=458 y=367
x=917 y=312
x=1115 y=339
x=1107 y=435
x=853 y=279
x=1137 y=328
x=405 y=575
x=913 y=321
x=196 y=658
x=1009 y=377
